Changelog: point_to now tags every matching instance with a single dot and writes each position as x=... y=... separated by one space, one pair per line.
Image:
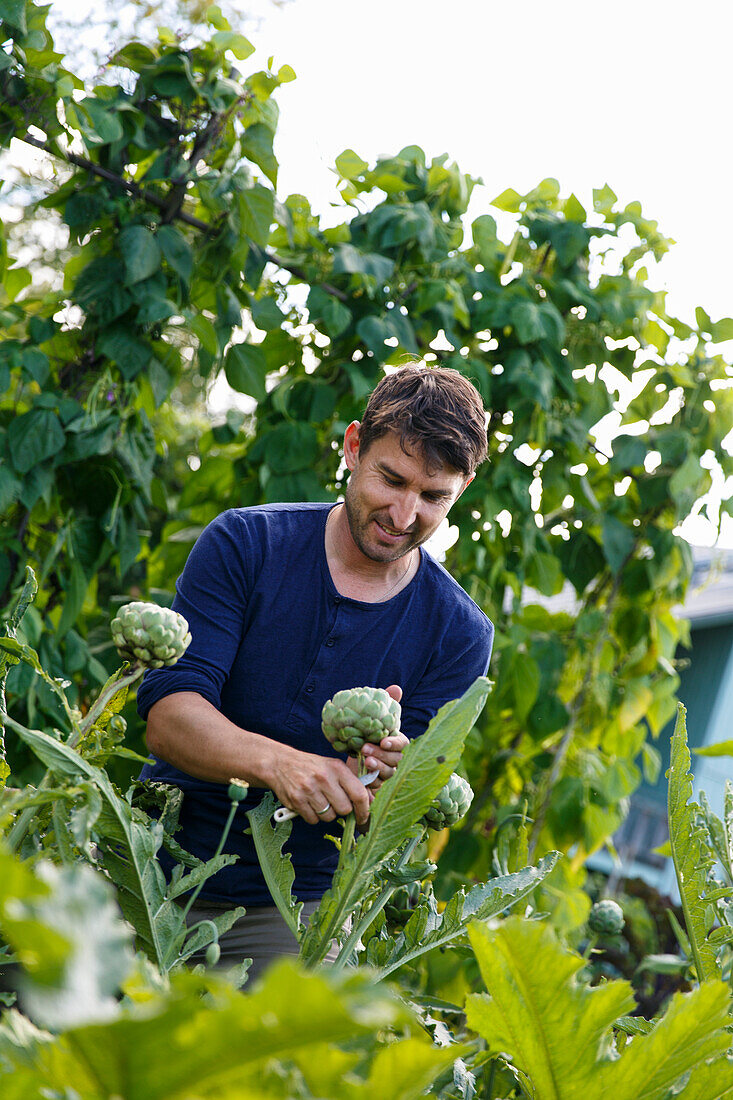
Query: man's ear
x=351 y=444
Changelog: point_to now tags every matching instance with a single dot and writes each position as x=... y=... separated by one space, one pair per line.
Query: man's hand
x=385 y=756
x=307 y=783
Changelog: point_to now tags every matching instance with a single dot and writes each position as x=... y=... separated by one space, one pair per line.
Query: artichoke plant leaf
x=710 y=1081
x=400 y=802
x=482 y=902
x=558 y=1032
x=550 y=1027
x=277 y=866
x=691 y=853
x=129 y=842
x=221 y=1049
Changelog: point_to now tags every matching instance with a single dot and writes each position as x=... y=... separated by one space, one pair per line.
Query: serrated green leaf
x=557 y=1031
x=690 y=854
x=129 y=842
x=711 y=1081
x=550 y=1027
x=277 y=866
x=482 y=902
x=400 y=802
x=81 y=983
x=202 y=936
x=223 y=1040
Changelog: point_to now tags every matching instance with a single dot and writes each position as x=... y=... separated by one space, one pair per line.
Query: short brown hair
x=436 y=409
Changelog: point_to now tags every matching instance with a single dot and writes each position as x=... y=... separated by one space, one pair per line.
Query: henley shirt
x=272 y=640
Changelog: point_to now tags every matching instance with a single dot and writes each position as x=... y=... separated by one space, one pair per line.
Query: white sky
x=633 y=94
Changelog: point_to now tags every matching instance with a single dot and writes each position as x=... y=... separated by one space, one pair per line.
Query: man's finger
x=395 y=691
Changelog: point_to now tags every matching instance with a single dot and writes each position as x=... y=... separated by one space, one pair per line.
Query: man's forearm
x=188 y=732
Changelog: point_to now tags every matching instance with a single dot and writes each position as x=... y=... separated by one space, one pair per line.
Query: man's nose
x=404 y=511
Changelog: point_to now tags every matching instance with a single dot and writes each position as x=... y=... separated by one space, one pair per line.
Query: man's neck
x=356 y=575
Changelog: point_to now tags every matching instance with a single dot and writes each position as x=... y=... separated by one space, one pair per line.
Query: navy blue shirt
x=272 y=640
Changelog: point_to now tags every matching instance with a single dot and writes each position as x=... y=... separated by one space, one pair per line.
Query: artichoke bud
x=356 y=716
x=606 y=918
x=450 y=804
x=149 y=635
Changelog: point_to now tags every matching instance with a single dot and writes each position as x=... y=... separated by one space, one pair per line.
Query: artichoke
x=358 y=715
x=606 y=918
x=401 y=905
x=450 y=804
x=150 y=635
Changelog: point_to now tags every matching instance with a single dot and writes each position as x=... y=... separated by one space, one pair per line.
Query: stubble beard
x=359 y=527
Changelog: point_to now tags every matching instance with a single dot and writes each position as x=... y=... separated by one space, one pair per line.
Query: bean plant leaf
x=691 y=855
x=558 y=1031
x=425 y=767
x=277 y=866
x=140 y=253
x=428 y=929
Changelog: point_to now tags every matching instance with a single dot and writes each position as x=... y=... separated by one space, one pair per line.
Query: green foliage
x=697 y=838
x=559 y=1034
x=398 y=804
x=159 y=267
x=277 y=865
x=427 y=929
x=178 y=266
x=73 y=966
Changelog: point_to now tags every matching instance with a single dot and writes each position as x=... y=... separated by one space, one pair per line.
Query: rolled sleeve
x=211 y=594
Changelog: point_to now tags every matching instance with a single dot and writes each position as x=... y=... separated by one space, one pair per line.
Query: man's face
x=393 y=501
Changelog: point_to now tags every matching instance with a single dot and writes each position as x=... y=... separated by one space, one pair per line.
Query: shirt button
x=330 y=642
x=337 y=599
x=310 y=688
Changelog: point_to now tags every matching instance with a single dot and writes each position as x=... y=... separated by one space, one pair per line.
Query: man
x=289 y=603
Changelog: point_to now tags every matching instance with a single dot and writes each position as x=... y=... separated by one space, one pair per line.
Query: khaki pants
x=261 y=935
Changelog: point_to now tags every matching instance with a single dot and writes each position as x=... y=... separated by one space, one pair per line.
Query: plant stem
x=26 y=597
x=97 y=708
x=222 y=841
x=195 y=893
x=376 y=908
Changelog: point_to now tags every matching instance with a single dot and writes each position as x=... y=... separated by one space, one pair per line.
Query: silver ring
x=325 y=809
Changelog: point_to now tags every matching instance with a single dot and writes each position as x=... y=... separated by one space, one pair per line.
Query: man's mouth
x=390 y=531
